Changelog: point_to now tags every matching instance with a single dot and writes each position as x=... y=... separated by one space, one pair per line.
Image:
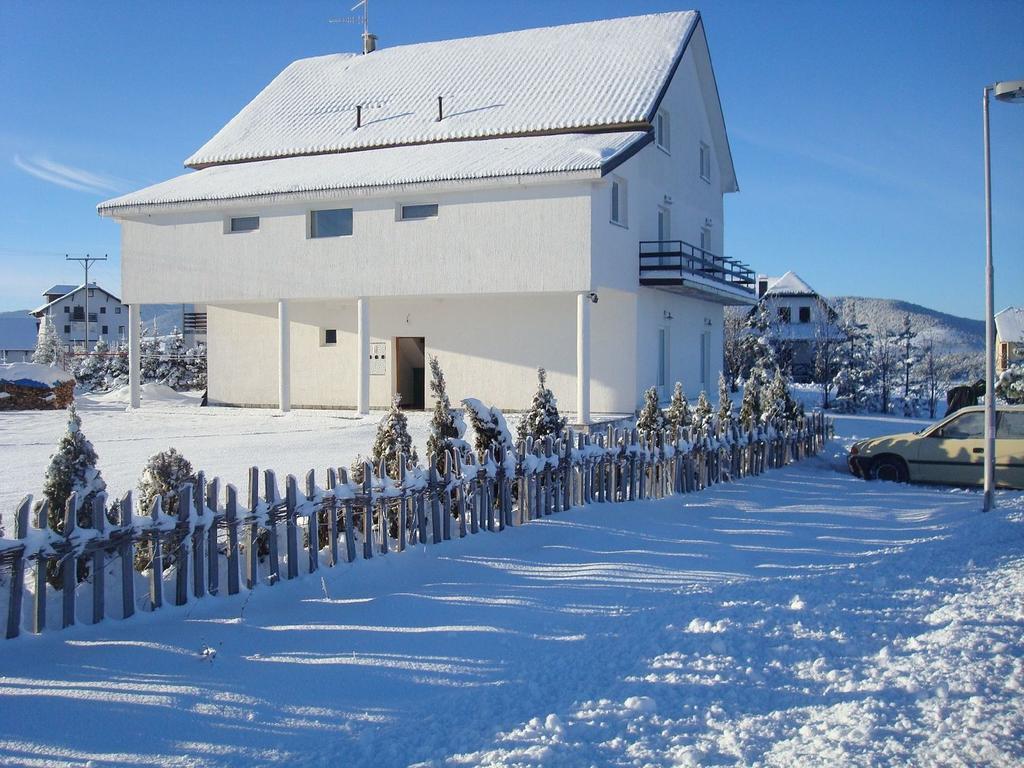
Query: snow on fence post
x=332 y=514
x=231 y=524
x=69 y=561
x=156 y=561
x=18 y=569
x=348 y=517
x=199 y=574
x=291 y=525
x=39 y=593
x=383 y=519
x=312 y=522
x=403 y=518
x=367 y=511
x=460 y=484
x=126 y=551
x=99 y=560
x=212 y=549
x=182 y=539
x=446 y=510
x=273 y=500
x=252 y=532
x=435 y=502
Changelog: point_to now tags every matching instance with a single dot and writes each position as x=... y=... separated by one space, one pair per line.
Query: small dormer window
x=785 y=315
x=805 y=314
x=662 y=134
x=619 y=201
x=705 y=162
x=244 y=224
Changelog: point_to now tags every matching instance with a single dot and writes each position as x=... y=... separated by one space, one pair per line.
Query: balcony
x=680 y=267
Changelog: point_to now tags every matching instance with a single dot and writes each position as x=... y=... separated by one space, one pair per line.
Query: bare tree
x=828 y=336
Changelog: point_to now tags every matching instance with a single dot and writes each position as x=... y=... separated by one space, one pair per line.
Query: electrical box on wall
x=378 y=358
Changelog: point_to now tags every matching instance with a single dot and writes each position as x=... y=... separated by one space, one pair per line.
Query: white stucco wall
x=520 y=238
x=488 y=346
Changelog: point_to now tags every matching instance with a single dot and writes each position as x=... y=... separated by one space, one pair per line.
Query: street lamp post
x=1008 y=91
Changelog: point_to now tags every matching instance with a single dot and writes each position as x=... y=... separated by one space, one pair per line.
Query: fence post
x=367 y=511
x=383 y=517
x=156 y=565
x=212 y=547
x=198 y=536
x=252 y=531
x=69 y=565
x=312 y=522
x=231 y=523
x=99 y=560
x=332 y=515
x=273 y=500
x=39 y=603
x=455 y=461
x=435 y=503
x=18 y=570
x=127 y=553
x=402 y=517
x=182 y=538
x=446 y=509
x=291 y=524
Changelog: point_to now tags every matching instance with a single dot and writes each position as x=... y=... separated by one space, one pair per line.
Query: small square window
x=103 y=310
x=67 y=309
x=705 y=238
x=67 y=329
x=419 y=211
x=335 y=222
x=92 y=292
x=705 y=162
x=104 y=331
x=805 y=314
x=330 y=336
x=662 y=131
x=785 y=315
x=244 y=224
x=619 y=201
x=117 y=310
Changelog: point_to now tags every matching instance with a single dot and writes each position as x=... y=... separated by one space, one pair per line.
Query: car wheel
x=889 y=468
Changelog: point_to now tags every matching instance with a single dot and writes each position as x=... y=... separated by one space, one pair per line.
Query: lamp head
x=1009 y=91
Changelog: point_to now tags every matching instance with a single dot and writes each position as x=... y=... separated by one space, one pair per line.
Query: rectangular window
x=705 y=162
x=117 y=310
x=705 y=238
x=662 y=381
x=419 y=211
x=92 y=292
x=244 y=224
x=67 y=329
x=120 y=331
x=805 y=314
x=619 y=201
x=78 y=315
x=330 y=336
x=336 y=222
x=103 y=310
x=67 y=309
x=104 y=331
x=662 y=136
x=785 y=315
x=92 y=317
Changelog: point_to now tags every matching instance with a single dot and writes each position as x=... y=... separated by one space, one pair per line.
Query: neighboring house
x=70 y=306
x=550 y=197
x=18 y=335
x=797 y=316
x=1009 y=338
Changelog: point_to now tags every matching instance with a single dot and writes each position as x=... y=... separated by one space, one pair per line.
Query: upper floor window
x=244 y=224
x=335 y=222
x=619 y=201
x=662 y=134
x=67 y=308
x=419 y=211
x=805 y=314
x=103 y=310
x=705 y=162
x=785 y=315
x=705 y=238
x=117 y=310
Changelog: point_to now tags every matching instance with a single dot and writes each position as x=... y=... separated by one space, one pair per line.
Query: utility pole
x=86 y=261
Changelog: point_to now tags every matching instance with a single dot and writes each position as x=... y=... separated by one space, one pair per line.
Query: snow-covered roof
x=59 y=290
x=594 y=75
x=448 y=161
x=1010 y=325
x=790 y=284
x=33 y=375
x=74 y=289
x=17 y=333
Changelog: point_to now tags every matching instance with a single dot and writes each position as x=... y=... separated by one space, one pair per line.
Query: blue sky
x=855 y=127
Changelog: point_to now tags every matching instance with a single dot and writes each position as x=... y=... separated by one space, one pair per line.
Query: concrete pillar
x=363 y=357
x=583 y=358
x=134 y=357
x=284 y=362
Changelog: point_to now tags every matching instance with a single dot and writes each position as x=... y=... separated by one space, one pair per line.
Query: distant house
x=1009 y=338
x=471 y=199
x=71 y=307
x=17 y=338
x=797 y=316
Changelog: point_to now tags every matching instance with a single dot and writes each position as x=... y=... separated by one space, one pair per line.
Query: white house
x=551 y=197
x=798 y=315
x=70 y=306
x=1009 y=338
x=17 y=338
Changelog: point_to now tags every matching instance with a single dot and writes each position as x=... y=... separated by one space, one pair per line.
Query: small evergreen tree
x=542 y=419
x=678 y=413
x=92 y=370
x=651 y=420
x=702 y=412
x=163 y=475
x=776 y=402
x=489 y=427
x=48 y=349
x=750 y=407
x=442 y=422
x=117 y=370
x=724 y=401
x=393 y=439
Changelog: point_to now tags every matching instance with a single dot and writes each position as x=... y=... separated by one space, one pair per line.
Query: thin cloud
x=68 y=176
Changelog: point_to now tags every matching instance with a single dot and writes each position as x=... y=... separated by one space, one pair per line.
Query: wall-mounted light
x=593 y=297
x=667 y=315
x=707 y=321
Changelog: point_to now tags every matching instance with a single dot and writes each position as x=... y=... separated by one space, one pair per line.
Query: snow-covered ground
x=799 y=618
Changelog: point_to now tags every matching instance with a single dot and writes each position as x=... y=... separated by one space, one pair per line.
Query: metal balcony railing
x=662 y=261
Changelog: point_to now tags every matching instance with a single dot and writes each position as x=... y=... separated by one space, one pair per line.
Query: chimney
x=762 y=286
x=369 y=42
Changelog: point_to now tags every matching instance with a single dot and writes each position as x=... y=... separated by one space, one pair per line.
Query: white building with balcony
x=550 y=197
x=71 y=307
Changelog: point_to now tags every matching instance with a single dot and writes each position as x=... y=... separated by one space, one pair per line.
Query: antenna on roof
x=369 y=40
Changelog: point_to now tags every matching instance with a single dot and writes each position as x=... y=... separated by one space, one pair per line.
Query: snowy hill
x=952 y=333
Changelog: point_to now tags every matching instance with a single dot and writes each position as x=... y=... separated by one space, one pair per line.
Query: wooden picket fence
x=220 y=542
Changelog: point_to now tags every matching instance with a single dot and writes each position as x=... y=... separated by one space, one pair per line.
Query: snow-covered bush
x=489 y=427
x=164 y=474
x=750 y=407
x=702 y=412
x=542 y=419
x=777 y=404
x=393 y=439
x=651 y=420
x=725 y=414
x=48 y=348
x=1010 y=384
x=443 y=426
x=678 y=413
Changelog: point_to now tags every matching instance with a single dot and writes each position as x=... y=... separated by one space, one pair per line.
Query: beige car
x=951 y=452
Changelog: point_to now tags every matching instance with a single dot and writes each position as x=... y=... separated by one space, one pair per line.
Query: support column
x=134 y=357
x=583 y=358
x=363 y=357
x=284 y=362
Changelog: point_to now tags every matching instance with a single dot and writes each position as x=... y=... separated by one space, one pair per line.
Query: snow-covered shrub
x=542 y=419
x=90 y=371
x=164 y=474
x=678 y=413
x=651 y=420
x=724 y=401
x=443 y=427
x=777 y=404
x=702 y=412
x=48 y=349
x=1010 y=384
x=490 y=428
x=750 y=407
x=393 y=439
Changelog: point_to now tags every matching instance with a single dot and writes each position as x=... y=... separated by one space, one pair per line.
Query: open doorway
x=410 y=364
